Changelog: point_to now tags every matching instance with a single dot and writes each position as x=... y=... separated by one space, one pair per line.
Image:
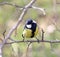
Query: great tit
x=30 y=29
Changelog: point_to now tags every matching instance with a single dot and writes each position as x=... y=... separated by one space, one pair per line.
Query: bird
x=30 y=29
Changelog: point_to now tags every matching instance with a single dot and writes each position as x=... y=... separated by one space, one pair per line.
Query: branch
x=7 y=3
x=30 y=4
x=21 y=8
x=32 y=41
x=42 y=35
x=41 y=9
x=19 y=21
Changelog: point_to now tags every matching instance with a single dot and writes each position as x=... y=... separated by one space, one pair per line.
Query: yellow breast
x=27 y=33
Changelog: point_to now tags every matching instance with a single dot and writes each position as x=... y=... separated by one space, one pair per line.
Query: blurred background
x=50 y=24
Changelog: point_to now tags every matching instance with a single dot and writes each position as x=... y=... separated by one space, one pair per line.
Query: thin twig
x=41 y=9
x=21 y=8
x=17 y=24
x=47 y=41
x=11 y=4
x=42 y=35
x=4 y=33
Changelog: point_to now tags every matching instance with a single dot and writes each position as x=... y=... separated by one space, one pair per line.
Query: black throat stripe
x=34 y=25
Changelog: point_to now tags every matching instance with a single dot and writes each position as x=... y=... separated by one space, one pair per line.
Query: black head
x=29 y=21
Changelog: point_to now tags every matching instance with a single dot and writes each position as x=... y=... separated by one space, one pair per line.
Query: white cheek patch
x=28 y=26
x=34 y=21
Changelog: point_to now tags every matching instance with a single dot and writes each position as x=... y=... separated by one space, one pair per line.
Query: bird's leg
x=37 y=39
x=23 y=37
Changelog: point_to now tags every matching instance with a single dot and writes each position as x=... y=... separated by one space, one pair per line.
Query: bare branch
x=32 y=41
x=11 y=4
x=41 y=9
x=21 y=8
x=30 y=4
x=19 y=21
x=4 y=33
x=14 y=27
